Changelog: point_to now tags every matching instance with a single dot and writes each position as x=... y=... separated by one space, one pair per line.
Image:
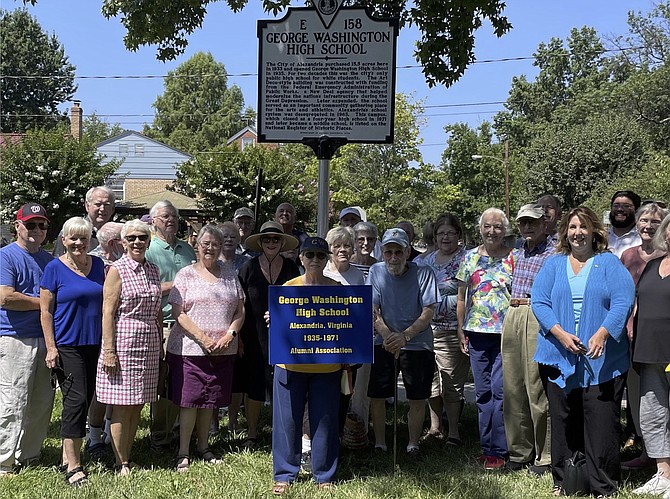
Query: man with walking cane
x=404 y=296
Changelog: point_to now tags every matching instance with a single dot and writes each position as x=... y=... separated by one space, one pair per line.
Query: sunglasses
x=132 y=238
x=312 y=254
x=35 y=225
x=58 y=378
x=270 y=239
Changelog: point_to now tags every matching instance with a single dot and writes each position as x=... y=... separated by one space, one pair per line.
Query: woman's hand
x=110 y=362
x=207 y=344
x=597 y=343
x=266 y=316
x=463 y=342
x=52 y=357
x=570 y=342
x=224 y=342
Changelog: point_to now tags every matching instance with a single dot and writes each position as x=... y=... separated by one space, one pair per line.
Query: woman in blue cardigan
x=582 y=298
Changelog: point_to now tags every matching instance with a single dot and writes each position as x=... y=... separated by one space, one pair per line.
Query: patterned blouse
x=488 y=291
x=445 y=274
x=211 y=305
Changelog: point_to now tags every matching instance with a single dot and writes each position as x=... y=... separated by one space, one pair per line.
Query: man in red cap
x=24 y=377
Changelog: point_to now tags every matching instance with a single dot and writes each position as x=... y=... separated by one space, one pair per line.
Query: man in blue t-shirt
x=27 y=397
x=404 y=296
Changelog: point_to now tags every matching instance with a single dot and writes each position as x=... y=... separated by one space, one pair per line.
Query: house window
x=139 y=149
x=123 y=149
x=247 y=141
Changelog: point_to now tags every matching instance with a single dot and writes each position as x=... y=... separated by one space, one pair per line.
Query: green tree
x=570 y=160
x=447 y=29
x=97 y=130
x=27 y=55
x=224 y=179
x=572 y=83
x=379 y=177
x=53 y=169
x=197 y=110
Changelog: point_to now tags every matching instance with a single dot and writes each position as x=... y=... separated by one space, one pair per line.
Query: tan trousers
x=525 y=407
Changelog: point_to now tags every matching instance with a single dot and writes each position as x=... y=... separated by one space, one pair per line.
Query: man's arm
x=397 y=340
x=10 y=299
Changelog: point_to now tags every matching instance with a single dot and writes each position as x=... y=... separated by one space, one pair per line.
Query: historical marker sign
x=328 y=76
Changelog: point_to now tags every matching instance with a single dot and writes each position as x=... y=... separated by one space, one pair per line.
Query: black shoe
x=414 y=454
x=539 y=471
x=514 y=466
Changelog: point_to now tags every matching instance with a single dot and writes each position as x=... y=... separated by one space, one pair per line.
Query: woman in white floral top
x=452 y=365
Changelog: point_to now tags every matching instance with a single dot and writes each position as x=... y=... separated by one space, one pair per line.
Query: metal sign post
x=326 y=78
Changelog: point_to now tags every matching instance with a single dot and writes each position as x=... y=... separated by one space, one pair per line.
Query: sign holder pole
x=324 y=147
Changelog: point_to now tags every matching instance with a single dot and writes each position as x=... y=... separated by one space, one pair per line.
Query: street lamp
x=505 y=164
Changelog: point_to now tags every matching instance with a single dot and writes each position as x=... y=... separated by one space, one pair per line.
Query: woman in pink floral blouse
x=208 y=306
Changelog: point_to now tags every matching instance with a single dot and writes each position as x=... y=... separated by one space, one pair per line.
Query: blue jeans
x=486 y=363
x=291 y=391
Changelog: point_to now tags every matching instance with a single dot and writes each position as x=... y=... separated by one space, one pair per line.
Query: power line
x=562 y=53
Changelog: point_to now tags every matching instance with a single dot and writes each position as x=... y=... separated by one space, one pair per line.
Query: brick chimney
x=76 y=121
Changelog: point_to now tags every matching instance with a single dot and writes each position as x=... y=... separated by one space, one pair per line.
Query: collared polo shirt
x=169 y=260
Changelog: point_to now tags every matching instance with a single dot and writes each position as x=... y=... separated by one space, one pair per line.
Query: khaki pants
x=525 y=407
x=164 y=414
x=26 y=400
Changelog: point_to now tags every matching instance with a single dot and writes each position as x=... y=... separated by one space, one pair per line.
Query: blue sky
x=95 y=46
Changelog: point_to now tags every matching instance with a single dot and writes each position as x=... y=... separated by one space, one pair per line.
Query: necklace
x=581 y=264
x=74 y=265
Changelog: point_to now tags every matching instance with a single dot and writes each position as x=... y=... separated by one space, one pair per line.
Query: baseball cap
x=31 y=210
x=530 y=211
x=314 y=244
x=397 y=236
x=244 y=212
x=350 y=210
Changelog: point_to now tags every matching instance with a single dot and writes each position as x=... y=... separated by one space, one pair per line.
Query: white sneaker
x=657 y=484
x=666 y=495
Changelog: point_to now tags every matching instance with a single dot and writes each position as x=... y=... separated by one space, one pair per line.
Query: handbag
x=575 y=476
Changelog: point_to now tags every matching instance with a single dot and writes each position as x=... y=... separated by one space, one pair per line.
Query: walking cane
x=395 y=413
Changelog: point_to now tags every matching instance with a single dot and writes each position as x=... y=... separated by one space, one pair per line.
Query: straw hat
x=289 y=242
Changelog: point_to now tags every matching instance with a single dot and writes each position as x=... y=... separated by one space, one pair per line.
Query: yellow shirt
x=308 y=368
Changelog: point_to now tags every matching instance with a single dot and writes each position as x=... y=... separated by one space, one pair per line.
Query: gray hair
x=344 y=234
x=135 y=224
x=106 y=188
x=651 y=208
x=162 y=204
x=496 y=211
x=366 y=227
x=77 y=226
x=659 y=241
x=213 y=231
x=108 y=232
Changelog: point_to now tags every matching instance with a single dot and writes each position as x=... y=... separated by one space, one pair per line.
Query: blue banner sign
x=320 y=324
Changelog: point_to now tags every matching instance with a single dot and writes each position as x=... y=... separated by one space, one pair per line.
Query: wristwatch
x=408 y=338
x=233 y=332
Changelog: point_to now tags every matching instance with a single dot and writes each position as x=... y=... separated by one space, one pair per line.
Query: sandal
x=278 y=488
x=208 y=456
x=326 y=486
x=122 y=469
x=183 y=463
x=82 y=480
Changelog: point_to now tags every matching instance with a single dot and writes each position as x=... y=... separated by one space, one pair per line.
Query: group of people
x=553 y=326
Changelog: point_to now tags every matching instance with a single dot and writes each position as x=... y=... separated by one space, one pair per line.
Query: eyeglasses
x=141 y=237
x=165 y=218
x=209 y=244
x=58 y=377
x=35 y=225
x=449 y=233
x=270 y=239
x=496 y=228
x=646 y=221
x=314 y=254
x=623 y=206
x=245 y=223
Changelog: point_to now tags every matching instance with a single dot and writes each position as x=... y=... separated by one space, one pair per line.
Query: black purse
x=575 y=476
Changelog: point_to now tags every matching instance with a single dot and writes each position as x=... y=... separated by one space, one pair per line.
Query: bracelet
x=110 y=351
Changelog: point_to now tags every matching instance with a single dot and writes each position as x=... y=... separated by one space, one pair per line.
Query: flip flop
x=279 y=488
x=82 y=480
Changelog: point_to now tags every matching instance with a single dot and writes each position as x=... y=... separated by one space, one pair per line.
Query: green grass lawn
x=445 y=473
